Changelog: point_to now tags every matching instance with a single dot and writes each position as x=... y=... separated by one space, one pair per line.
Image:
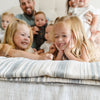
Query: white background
x=7 y=4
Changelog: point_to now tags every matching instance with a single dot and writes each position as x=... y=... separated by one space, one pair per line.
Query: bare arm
x=4 y=51
x=59 y=55
x=94 y=23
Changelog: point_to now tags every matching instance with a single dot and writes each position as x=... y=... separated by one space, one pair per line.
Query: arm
x=84 y=54
x=94 y=23
x=6 y=50
x=70 y=56
x=59 y=55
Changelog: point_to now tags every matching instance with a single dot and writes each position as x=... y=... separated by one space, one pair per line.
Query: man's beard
x=30 y=14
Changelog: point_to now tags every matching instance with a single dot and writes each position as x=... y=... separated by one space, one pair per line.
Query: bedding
x=26 y=79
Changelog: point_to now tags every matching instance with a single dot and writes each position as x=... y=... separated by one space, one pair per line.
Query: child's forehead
x=62 y=24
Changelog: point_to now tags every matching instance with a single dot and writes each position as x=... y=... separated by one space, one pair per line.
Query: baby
x=41 y=23
x=45 y=46
x=6 y=18
x=81 y=9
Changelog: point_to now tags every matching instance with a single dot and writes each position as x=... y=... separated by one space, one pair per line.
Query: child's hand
x=70 y=45
x=35 y=29
x=4 y=49
x=46 y=56
x=52 y=48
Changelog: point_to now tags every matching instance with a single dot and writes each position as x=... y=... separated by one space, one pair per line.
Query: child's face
x=62 y=35
x=22 y=37
x=5 y=21
x=40 y=20
x=83 y=3
x=47 y=32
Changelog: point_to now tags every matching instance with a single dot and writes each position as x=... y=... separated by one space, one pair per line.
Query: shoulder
x=19 y=16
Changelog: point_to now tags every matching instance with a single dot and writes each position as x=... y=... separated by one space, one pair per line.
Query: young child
x=71 y=41
x=6 y=18
x=45 y=46
x=19 y=36
x=81 y=9
x=41 y=23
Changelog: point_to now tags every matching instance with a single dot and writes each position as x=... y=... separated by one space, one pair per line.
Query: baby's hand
x=35 y=29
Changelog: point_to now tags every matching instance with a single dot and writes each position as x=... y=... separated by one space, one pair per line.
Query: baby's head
x=72 y=3
x=82 y=3
x=19 y=35
x=48 y=31
x=68 y=30
x=40 y=19
x=6 y=18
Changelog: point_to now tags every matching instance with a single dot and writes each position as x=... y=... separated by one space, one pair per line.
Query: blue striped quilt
x=67 y=71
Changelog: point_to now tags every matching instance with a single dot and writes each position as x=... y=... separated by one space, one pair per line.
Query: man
x=27 y=7
x=28 y=11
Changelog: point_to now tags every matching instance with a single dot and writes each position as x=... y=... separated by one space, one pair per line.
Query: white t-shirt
x=80 y=12
x=2 y=33
x=45 y=46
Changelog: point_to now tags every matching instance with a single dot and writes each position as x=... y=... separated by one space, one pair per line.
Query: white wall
x=7 y=4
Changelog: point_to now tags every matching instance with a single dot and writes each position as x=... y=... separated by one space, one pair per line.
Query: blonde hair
x=10 y=15
x=12 y=29
x=80 y=36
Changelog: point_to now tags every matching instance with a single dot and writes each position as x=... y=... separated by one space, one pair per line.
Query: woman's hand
x=89 y=17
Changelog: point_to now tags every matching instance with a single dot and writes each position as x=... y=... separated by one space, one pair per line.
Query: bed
x=26 y=79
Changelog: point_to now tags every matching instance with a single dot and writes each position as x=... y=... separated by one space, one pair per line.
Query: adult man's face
x=27 y=6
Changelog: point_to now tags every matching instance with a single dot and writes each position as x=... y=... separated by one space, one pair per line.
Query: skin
x=5 y=21
x=48 y=32
x=65 y=41
x=62 y=36
x=22 y=37
x=40 y=20
x=27 y=6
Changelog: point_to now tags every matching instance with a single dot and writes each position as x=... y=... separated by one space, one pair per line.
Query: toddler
x=17 y=42
x=45 y=46
x=41 y=23
x=6 y=18
x=19 y=35
x=71 y=41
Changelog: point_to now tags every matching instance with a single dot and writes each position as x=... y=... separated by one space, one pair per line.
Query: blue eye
x=22 y=34
x=7 y=21
x=56 y=36
x=28 y=36
x=64 y=36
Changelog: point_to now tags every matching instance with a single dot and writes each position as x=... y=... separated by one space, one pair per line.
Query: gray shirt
x=28 y=19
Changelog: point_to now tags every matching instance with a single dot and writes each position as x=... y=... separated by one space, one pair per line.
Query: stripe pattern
x=67 y=71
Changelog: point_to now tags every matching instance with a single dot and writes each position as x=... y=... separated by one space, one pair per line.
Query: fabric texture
x=34 y=70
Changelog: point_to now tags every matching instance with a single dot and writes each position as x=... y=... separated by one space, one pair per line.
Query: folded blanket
x=69 y=69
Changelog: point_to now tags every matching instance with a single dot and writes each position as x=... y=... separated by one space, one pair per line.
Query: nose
x=60 y=39
x=27 y=5
x=26 y=38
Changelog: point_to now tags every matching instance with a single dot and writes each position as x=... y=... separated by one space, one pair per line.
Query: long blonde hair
x=80 y=36
x=11 y=30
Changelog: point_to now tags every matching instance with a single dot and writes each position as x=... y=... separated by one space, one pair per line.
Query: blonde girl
x=19 y=35
x=70 y=39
